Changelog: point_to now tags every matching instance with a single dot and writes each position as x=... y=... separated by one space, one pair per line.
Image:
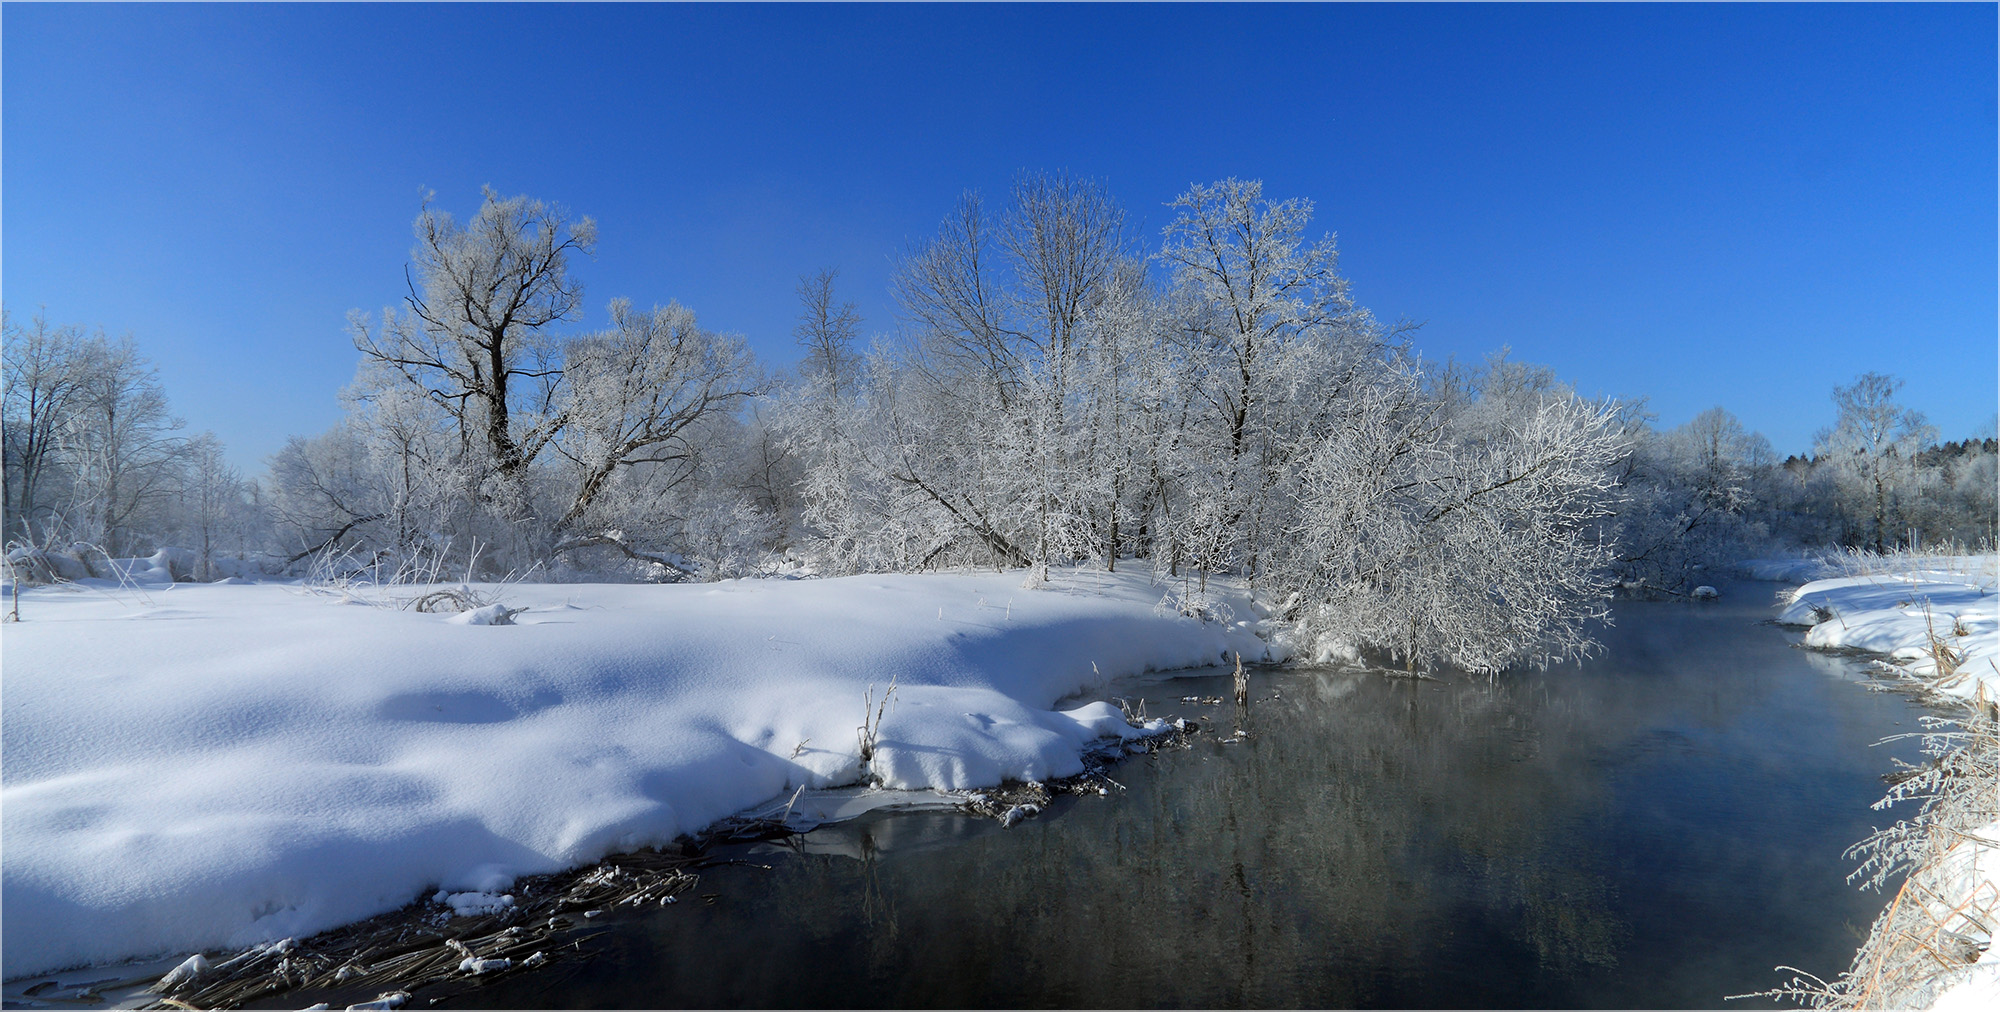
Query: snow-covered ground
x=1918 y=613
x=192 y=766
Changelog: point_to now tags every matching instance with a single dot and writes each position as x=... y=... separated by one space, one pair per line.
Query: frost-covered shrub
x=1465 y=540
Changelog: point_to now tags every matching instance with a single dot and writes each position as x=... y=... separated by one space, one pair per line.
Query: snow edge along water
x=204 y=767
x=1936 y=622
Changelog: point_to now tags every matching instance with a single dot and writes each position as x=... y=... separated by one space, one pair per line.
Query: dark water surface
x=1658 y=828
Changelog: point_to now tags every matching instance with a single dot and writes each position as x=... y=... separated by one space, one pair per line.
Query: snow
x=204 y=766
x=1017 y=813
x=1896 y=615
x=492 y=614
x=193 y=968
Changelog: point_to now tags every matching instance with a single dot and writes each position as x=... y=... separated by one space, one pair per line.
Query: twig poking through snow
x=871 y=727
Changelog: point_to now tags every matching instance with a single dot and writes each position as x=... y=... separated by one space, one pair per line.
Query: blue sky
x=1734 y=205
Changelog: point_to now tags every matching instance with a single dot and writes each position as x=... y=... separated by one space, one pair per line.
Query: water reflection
x=1660 y=827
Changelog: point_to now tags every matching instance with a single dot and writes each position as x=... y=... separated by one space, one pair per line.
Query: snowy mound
x=203 y=766
x=1901 y=616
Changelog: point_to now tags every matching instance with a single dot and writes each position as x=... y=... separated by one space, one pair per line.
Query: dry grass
x=1946 y=658
x=872 y=711
x=423 y=946
x=1944 y=914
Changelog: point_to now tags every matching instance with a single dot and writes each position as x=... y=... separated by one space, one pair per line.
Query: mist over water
x=1660 y=826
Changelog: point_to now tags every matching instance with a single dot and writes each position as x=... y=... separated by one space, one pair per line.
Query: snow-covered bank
x=1918 y=618
x=204 y=766
x=1940 y=625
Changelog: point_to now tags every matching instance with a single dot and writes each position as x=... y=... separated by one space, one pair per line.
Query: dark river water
x=1659 y=827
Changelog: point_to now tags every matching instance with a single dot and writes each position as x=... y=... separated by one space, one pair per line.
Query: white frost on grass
x=1826 y=565
x=1974 y=873
x=205 y=767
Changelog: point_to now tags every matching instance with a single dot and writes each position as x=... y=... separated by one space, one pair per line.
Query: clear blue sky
x=1734 y=205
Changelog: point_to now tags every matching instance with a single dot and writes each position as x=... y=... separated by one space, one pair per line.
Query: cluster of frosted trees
x=94 y=459
x=1886 y=482
x=1709 y=492
x=1216 y=405
x=1058 y=391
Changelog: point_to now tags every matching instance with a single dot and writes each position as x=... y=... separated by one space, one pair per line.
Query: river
x=1657 y=827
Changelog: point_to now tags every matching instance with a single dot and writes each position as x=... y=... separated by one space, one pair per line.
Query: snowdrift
x=203 y=766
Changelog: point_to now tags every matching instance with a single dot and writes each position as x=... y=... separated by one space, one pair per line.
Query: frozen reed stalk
x=1946 y=659
x=871 y=722
x=786 y=819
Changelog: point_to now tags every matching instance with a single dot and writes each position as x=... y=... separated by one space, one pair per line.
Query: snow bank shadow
x=463 y=707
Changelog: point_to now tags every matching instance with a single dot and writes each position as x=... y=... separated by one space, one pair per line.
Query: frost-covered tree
x=1691 y=498
x=389 y=479
x=1973 y=477
x=629 y=416
x=558 y=443
x=96 y=465
x=122 y=449
x=1872 y=451
x=1262 y=315
x=1443 y=531
x=324 y=493
x=990 y=419
x=474 y=335
x=826 y=332
x=215 y=512
x=43 y=376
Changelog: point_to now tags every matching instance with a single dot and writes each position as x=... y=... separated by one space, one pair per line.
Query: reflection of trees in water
x=1352 y=833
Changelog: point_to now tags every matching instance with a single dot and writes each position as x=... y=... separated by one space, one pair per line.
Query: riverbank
x=1655 y=827
x=1935 y=624
x=1936 y=619
x=206 y=767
